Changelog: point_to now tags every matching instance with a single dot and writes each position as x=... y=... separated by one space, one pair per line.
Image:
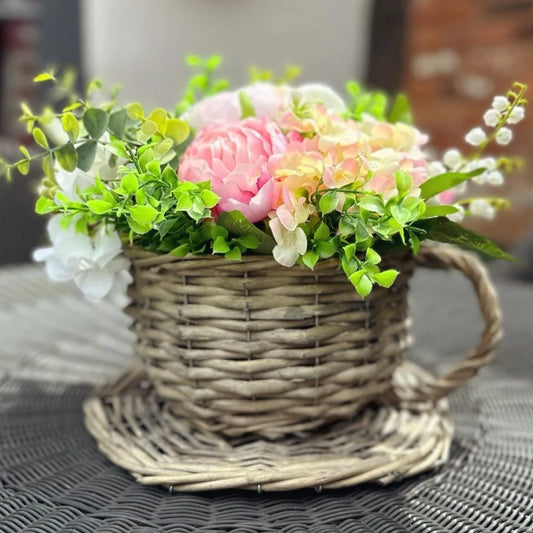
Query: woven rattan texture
x=226 y=342
x=137 y=431
x=53 y=479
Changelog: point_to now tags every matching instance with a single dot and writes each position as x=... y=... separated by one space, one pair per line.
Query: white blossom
x=480 y=207
x=499 y=103
x=487 y=162
x=317 y=93
x=459 y=215
x=452 y=158
x=504 y=136
x=495 y=177
x=516 y=115
x=492 y=118
x=95 y=264
x=290 y=244
x=435 y=168
x=475 y=137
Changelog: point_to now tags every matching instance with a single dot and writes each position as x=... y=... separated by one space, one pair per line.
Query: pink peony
x=234 y=156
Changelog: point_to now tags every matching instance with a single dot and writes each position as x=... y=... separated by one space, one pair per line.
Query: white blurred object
x=143 y=44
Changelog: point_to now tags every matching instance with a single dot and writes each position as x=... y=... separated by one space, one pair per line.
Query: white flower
x=475 y=137
x=459 y=215
x=317 y=93
x=95 y=264
x=492 y=118
x=435 y=168
x=480 y=179
x=488 y=163
x=267 y=100
x=495 y=177
x=452 y=158
x=499 y=103
x=482 y=208
x=516 y=115
x=504 y=136
x=290 y=244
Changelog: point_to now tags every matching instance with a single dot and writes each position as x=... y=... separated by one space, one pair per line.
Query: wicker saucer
x=135 y=431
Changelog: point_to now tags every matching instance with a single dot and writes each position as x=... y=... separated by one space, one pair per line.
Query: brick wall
x=460 y=53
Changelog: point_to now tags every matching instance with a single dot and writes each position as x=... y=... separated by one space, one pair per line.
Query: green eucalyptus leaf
x=328 y=202
x=386 y=278
x=372 y=204
x=322 y=232
x=209 y=198
x=130 y=183
x=220 y=246
x=99 y=207
x=117 y=122
x=325 y=249
x=234 y=254
x=309 y=259
x=86 y=154
x=181 y=251
x=145 y=214
x=372 y=257
x=238 y=225
x=184 y=202
x=169 y=176
x=95 y=122
x=23 y=166
x=45 y=205
x=71 y=126
x=67 y=157
x=40 y=138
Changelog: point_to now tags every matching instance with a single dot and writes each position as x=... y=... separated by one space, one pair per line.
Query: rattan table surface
x=55 y=347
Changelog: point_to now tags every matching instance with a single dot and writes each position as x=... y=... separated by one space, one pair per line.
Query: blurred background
x=450 y=57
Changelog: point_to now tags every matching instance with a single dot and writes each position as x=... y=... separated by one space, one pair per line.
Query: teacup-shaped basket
x=253 y=347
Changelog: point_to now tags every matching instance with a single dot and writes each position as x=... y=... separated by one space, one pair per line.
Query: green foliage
x=239 y=226
x=442 y=229
x=446 y=181
x=377 y=104
x=201 y=84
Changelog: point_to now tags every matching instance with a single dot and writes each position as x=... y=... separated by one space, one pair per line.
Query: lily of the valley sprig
x=298 y=172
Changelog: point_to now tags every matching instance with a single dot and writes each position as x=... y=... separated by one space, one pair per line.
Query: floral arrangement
x=296 y=172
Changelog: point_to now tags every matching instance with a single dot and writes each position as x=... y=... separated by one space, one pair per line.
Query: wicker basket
x=254 y=347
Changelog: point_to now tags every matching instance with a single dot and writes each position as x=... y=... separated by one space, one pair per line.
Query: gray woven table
x=55 y=348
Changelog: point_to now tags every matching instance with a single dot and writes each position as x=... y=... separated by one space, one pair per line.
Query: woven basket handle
x=483 y=352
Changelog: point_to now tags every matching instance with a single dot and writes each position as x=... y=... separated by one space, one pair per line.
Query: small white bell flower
x=475 y=137
x=500 y=103
x=491 y=118
x=516 y=115
x=435 y=168
x=504 y=136
x=480 y=207
x=495 y=177
x=452 y=158
x=458 y=215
